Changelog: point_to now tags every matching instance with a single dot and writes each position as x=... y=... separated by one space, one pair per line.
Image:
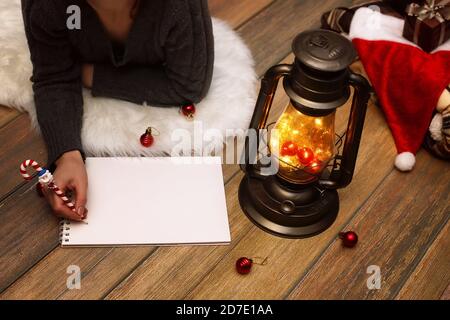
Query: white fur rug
x=112 y=127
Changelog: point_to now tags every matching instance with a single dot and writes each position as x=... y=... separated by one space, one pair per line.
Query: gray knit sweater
x=167 y=60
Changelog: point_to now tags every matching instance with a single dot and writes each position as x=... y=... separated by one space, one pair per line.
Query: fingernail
x=80 y=212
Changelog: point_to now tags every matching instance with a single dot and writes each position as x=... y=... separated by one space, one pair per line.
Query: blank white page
x=152 y=201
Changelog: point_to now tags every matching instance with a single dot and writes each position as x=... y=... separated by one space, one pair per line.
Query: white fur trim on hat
x=405 y=161
x=372 y=25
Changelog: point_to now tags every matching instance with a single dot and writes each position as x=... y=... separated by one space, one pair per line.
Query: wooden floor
x=402 y=219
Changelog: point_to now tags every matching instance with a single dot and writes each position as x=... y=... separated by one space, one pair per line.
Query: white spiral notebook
x=152 y=201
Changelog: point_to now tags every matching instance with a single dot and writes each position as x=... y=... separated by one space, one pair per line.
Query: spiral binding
x=64 y=231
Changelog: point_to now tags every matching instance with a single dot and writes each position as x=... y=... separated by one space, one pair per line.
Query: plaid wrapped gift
x=400 y=5
x=428 y=25
x=340 y=19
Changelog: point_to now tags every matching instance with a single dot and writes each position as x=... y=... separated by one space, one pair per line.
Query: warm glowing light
x=314 y=167
x=303 y=144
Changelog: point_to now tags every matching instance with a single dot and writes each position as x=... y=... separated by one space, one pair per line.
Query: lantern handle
x=342 y=174
x=258 y=122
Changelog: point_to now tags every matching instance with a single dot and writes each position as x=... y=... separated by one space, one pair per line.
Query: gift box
x=428 y=25
x=400 y=5
x=339 y=19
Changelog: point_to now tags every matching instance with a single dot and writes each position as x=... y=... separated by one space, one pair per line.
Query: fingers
x=71 y=178
x=59 y=207
x=61 y=210
x=81 y=198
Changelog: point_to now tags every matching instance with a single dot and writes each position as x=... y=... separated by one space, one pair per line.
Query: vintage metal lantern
x=300 y=199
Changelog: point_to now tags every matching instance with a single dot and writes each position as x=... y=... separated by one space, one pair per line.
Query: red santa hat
x=407 y=80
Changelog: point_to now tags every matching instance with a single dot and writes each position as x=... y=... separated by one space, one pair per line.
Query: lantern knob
x=323 y=50
x=319 y=82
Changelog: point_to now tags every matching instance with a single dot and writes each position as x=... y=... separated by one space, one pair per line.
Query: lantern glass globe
x=303 y=145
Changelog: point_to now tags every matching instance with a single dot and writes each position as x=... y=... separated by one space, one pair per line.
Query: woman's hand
x=70 y=174
x=87 y=74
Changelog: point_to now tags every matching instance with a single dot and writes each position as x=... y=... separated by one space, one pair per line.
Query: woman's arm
x=58 y=98
x=189 y=57
x=56 y=79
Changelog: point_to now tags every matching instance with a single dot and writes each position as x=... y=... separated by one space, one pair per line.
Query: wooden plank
x=43 y=289
x=92 y=288
x=201 y=254
x=106 y=273
x=246 y=36
x=236 y=12
x=446 y=294
x=288 y=18
x=7 y=115
x=431 y=276
x=170 y=271
x=145 y=283
x=395 y=227
x=228 y=282
x=38 y=277
x=102 y=270
x=36 y=284
x=18 y=143
x=290 y=259
x=27 y=233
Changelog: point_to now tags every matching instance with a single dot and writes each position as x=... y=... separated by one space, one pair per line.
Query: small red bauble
x=289 y=148
x=188 y=111
x=349 y=239
x=147 y=138
x=305 y=156
x=244 y=265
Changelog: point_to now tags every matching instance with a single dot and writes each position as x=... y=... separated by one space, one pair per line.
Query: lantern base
x=286 y=210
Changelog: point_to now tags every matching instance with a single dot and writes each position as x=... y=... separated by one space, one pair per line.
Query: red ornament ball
x=188 y=110
x=289 y=148
x=305 y=156
x=349 y=239
x=147 y=138
x=244 y=265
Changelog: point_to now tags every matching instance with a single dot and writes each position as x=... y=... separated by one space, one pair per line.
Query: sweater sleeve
x=185 y=76
x=56 y=80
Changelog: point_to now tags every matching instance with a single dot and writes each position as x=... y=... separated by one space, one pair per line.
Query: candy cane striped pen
x=45 y=179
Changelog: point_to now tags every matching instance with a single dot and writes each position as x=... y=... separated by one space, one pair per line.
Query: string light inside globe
x=303 y=144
